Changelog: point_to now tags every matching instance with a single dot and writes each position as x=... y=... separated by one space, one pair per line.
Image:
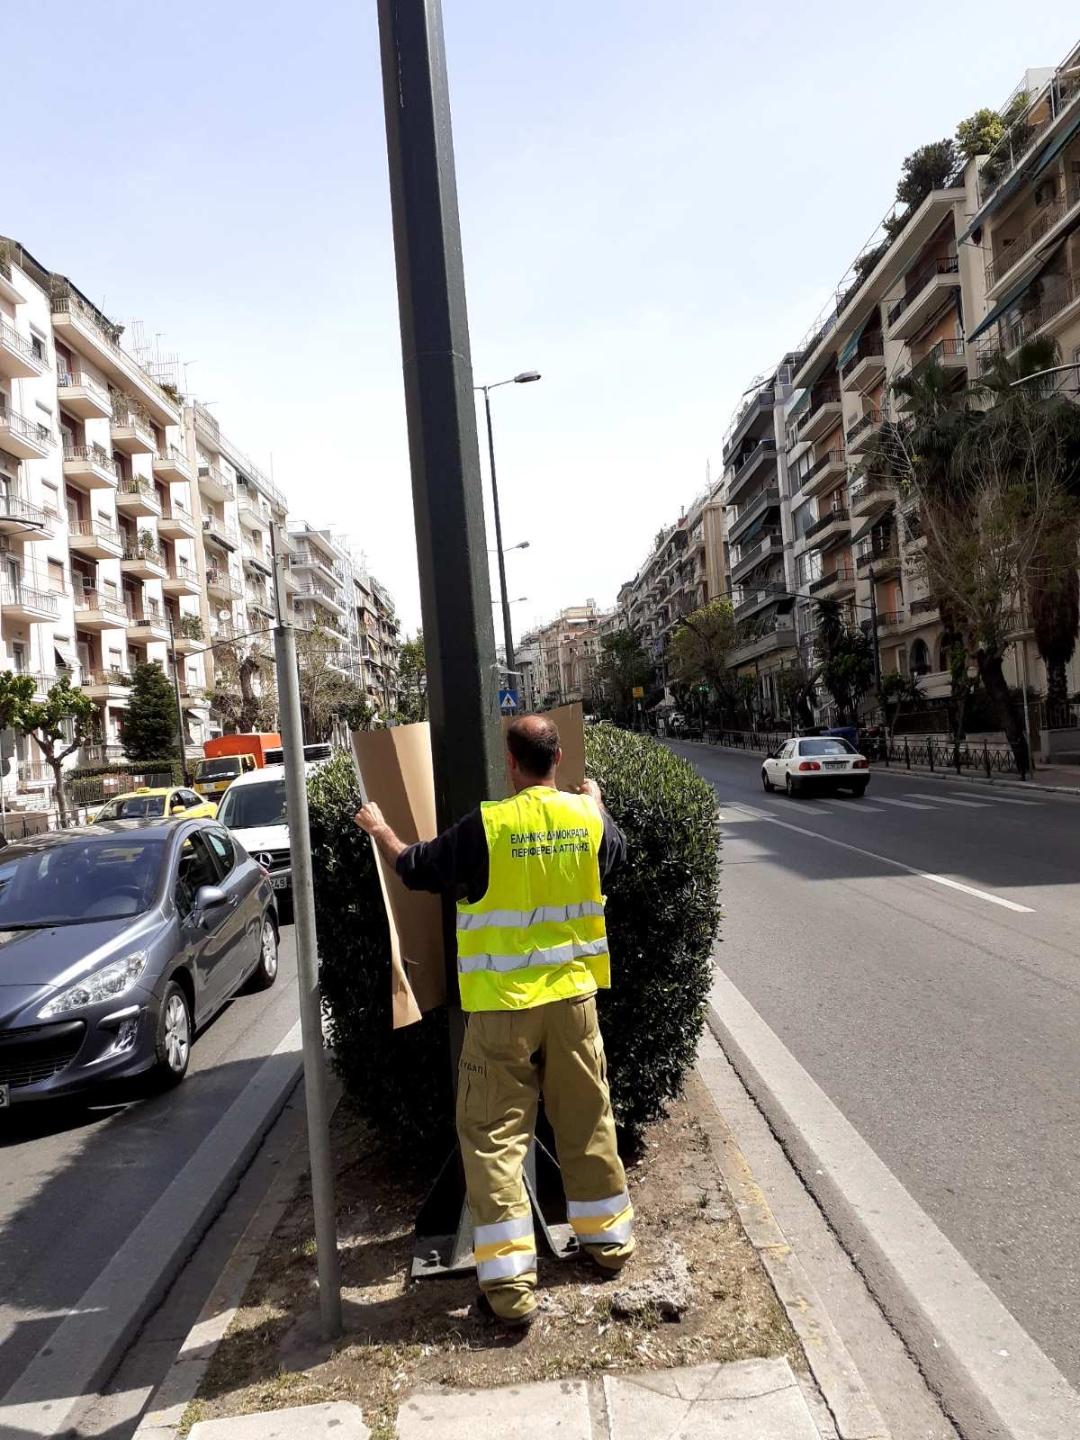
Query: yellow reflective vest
x=538 y=933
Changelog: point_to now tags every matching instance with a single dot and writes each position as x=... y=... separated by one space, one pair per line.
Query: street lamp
x=525 y=377
x=523 y=545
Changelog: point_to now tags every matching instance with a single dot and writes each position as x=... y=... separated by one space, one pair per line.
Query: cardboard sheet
x=396 y=772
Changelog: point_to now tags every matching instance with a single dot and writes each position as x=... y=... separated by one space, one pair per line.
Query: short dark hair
x=533 y=741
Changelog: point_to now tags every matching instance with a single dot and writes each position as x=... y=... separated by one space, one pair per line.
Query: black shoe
x=518 y=1323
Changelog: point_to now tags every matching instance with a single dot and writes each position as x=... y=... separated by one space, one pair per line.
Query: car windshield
x=826 y=747
x=77 y=880
x=133 y=807
x=246 y=807
x=218 y=769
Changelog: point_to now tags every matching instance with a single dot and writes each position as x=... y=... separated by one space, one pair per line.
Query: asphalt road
x=76 y=1178
x=872 y=937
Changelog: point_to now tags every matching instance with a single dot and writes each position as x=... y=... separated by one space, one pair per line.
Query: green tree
x=924 y=170
x=65 y=720
x=702 y=644
x=150 y=722
x=846 y=660
x=412 y=680
x=796 y=686
x=244 y=693
x=623 y=665
x=327 y=692
x=898 y=691
x=979 y=133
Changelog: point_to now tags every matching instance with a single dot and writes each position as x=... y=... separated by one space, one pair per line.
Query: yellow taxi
x=154 y=804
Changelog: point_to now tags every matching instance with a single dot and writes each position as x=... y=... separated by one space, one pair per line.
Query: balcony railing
x=144 y=550
x=765 y=543
x=95 y=454
x=107 y=677
x=78 y=380
x=1031 y=321
x=138 y=486
x=1049 y=215
x=222 y=580
x=18 y=594
x=16 y=507
x=1017 y=142
x=179 y=570
x=65 y=302
x=823 y=522
x=92 y=530
x=220 y=530
x=925 y=606
x=843 y=574
x=889 y=617
x=939 y=353
x=831 y=457
x=943 y=265
x=170 y=452
x=21 y=344
x=764 y=447
x=761 y=594
x=20 y=425
x=87 y=599
x=865 y=350
x=876 y=553
x=864 y=423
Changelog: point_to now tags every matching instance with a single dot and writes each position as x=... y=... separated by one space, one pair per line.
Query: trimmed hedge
x=663 y=910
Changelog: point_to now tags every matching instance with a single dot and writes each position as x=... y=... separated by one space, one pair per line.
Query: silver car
x=117 y=942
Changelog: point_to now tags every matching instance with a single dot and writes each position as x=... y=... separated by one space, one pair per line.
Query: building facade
x=567 y=651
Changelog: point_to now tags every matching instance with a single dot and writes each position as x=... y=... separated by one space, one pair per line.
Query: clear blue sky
x=656 y=200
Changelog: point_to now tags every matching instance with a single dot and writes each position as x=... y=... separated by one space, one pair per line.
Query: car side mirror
x=208 y=898
x=178 y=809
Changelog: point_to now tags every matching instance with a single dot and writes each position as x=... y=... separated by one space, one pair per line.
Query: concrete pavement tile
x=750 y=1400
x=334 y=1421
x=551 y=1410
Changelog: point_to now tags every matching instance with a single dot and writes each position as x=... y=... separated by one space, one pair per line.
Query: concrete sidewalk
x=747 y=1400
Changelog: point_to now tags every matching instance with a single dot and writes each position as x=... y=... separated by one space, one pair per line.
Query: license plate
x=835 y=764
x=279 y=882
x=4 y=1102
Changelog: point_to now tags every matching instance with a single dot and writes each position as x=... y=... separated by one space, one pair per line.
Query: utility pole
x=307 y=958
x=179 y=707
x=508 y=633
x=874 y=637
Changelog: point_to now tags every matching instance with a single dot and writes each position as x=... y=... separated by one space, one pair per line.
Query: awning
x=800 y=405
x=1010 y=298
x=1056 y=145
x=852 y=345
x=1023 y=174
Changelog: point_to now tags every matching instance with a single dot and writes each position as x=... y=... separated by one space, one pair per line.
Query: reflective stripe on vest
x=504 y=1249
x=538 y=933
x=602 y=1222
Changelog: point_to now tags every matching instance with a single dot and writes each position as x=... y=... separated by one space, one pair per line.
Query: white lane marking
x=950 y=1309
x=903 y=804
x=944 y=800
x=899 y=864
x=1005 y=800
x=873 y=809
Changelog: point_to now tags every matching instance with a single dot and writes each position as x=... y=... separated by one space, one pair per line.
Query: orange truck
x=228 y=756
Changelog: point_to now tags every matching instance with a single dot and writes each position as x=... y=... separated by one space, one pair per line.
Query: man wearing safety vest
x=532 y=953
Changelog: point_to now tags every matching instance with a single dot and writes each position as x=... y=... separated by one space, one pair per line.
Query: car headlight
x=104 y=984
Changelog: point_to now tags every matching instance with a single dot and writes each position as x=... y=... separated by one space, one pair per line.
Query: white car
x=253 y=809
x=816 y=762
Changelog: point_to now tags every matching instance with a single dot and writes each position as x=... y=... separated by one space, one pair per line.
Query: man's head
x=532 y=743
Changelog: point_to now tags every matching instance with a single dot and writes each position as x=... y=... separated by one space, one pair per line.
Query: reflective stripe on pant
x=507 y=1058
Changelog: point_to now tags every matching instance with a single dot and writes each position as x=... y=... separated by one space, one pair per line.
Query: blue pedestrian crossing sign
x=508 y=701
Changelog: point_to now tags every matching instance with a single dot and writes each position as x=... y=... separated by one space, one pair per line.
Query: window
x=223 y=849
x=189 y=797
x=196 y=869
x=39 y=347
x=56 y=577
x=920 y=658
x=826 y=747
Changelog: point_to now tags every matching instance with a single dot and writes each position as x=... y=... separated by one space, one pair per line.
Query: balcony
x=864 y=429
x=219 y=582
x=107 y=685
x=21 y=437
x=771 y=543
x=321 y=596
x=171 y=466
x=882 y=557
x=90 y=467
x=1057 y=308
x=208 y=431
x=132 y=433
x=890 y=621
x=79 y=327
x=20 y=358
x=866 y=367
x=144 y=561
x=181 y=579
x=749 y=465
x=215 y=484
x=249 y=510
x=137 y=497
x=760 y=405
x=827 y=529
x=94 y=540
x=305 y=559
x=1051 y=219
x=947 y=355
x=21 y=602
x=8 y=289
x=869 y=495
x=187 y=633
x=927 y=287
x=261 y=603
x=175 y=523
x=752 y=601
x=835 y=585
x=17 y=514
x=258 y=559
x=823 y=414
x=96 y=611
x=752 y=510
x=825 y=473
x=193 y=697
x=778 y=637
x=151 y=624
x=81 y=396
x=220 y=532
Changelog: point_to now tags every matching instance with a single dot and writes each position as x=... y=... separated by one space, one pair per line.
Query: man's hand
x=370 y=818
x=592 y=789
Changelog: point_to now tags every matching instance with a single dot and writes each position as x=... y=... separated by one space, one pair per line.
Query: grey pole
x=307 y=961
x=874 y=637
x=179 y=706
x=508 y=633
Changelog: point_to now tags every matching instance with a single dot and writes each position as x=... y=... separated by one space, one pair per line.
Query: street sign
x=508 y=701
x=638 y=692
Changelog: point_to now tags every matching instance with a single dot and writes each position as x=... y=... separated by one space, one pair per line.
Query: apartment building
x=98 y=529
x=567 y=651
x=527 y=663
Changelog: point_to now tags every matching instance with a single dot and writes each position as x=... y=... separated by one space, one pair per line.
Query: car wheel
x=858 y=790
x=172 y=1045
x=766 y=782
x=792 y=787
x=267 y=968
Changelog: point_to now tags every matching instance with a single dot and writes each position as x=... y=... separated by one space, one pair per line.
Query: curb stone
x=851 y=1409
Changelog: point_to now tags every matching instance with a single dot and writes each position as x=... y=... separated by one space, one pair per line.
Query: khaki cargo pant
x=509 y=1057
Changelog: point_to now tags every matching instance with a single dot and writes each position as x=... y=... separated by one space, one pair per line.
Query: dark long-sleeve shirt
x=457 y=860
